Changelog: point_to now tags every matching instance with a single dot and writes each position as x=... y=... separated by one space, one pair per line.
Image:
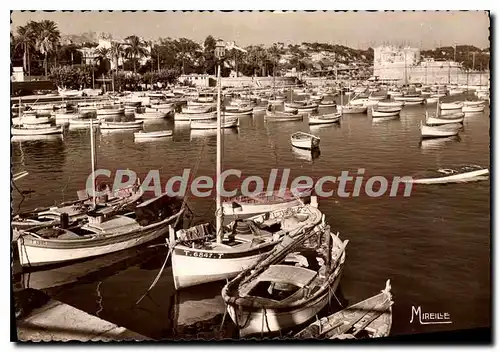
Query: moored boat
x=199 y=255
x=121 y=125
x=463 y=173
x=228 y=122
x=304 y=140
x=152 y=135
x=36 y=130
x=324 y=119
x=447 y=130
x=279 y=116
x=472 y=108
x=289 y=286
x=387 y=112
x=451 y=106
x=101 y=234
x=351 y=109
x=371 y=318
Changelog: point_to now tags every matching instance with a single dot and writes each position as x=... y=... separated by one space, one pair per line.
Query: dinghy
x=304 y=140
x=152 y=135
x=352 y=109
x=324 y=119
x=110 y=111
x=101 y=234
x=302 y=107
x=447 y=130
x=386 y=112
x=451 y=106
x=264 y=202
x=279 y=116
x=463 y=173
x=238 y=111
x=200 y=256
x=327 y=104
x=83 y=122
x=195 y=117
x=390 y=104
x=121 y=125
x=440 y=120
x=289 y=286
x=371 y=318
x=228 y=122
x=37 y=130
x=151 y=115
x=473 y=108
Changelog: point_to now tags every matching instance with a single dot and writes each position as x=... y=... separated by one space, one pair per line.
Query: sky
x=423 y=29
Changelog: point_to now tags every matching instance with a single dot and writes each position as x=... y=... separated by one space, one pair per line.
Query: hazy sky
x=355 y=29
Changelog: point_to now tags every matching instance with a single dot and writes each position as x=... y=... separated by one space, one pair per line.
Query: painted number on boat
x=203 y=255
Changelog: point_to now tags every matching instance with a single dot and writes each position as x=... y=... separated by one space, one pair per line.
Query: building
x=197 y=80
x=405 y=65
x=17 y=74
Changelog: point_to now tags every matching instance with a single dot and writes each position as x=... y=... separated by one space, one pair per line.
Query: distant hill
x=468 y=55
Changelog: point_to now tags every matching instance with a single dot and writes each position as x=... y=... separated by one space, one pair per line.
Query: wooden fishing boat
x=390 y=104
x=409 y=100
x=304 y=140
x=29 y=120
x=462 y=173
x=289 y=286
x=195 y=117
x=327 y=104
x=121 y=125
x=371 y=318
x=302 y=107
x=197 y=256
x=238 y=111
x=166 y=107
x=324 y=119
x=276 y=101
x=83 y=122
x=152 y=135
x=472 y=108
x=151 y=115
x=278 y=116
x=76 y=210
x=351 y=109
x=228 y=122
x=386 y=112
x=66 y=117
x=265 y=202
x=377 y=97
x=110 y=111
x=41 y=130
x=451 y=106
x=474 y=103
x=443 y=120
x=431 y=100
x=100 y=235
x=447 y=130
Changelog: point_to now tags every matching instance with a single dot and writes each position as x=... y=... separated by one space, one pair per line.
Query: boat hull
x=277 y=320
x=216 y=266
x=38 y=252
x=464 y=177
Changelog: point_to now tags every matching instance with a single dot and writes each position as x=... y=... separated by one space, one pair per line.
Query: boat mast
x=219 y=55
x=92 y=159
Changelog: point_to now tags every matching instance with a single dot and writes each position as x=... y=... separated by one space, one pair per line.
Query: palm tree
x=47 y=37
x=25 y=38
x=116 y=52
x=102 y=55
x=136 y=49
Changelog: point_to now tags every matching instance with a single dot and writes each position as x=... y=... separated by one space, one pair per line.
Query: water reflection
x=305 y=154
x=437 y=143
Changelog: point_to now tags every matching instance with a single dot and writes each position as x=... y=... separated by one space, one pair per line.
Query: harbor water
x=434 y=245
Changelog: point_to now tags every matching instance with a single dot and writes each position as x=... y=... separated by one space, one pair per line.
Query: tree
x=102 y=58
x=136 y=49
x=26 y=39
x=209 y=55
x=116 y=51
x=47 y=37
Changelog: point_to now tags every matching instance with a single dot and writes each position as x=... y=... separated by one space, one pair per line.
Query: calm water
x=433 y=245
